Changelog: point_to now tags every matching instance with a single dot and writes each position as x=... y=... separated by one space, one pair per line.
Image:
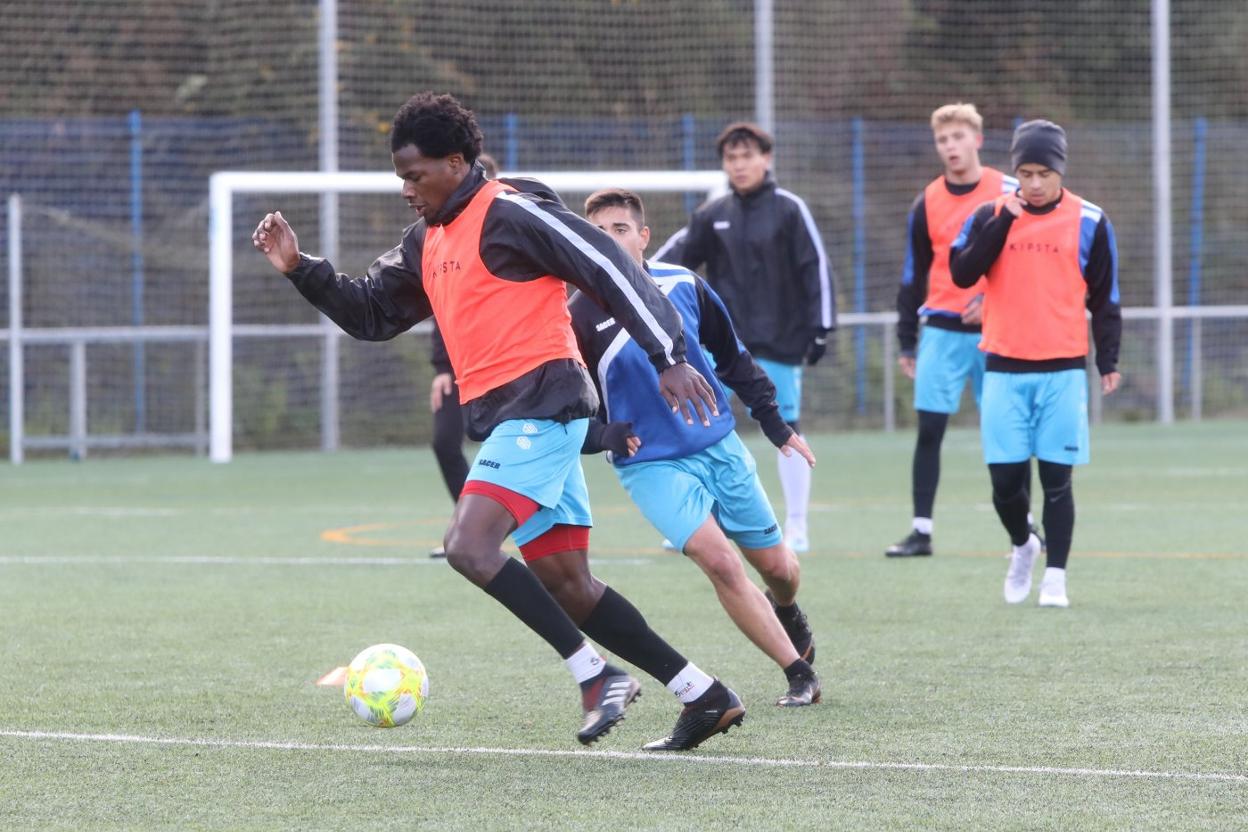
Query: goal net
x=113 y=116
x=282 y=378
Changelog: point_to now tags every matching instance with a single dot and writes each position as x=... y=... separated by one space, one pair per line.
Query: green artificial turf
x=171 y=599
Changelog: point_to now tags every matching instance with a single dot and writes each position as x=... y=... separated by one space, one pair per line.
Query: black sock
x=798 y=669
x=716 y=694
x=1010 y=497
x=784 y=613
x=1059 y=512
x=519 y=590
x=618 y=626
x=926 y=470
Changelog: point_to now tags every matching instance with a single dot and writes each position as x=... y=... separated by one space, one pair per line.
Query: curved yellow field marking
x=352 y=535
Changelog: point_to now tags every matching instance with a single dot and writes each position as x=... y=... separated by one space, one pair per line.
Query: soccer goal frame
x=223 y=186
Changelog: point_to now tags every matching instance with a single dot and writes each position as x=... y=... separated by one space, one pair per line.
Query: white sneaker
x=795 y=536
x=668 y=545
x=1053 y=589
x=1018 y=579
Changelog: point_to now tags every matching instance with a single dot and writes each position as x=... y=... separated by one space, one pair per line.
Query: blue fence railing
x=133 y=172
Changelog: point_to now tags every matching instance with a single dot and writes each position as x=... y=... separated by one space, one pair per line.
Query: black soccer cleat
x=804 y=689
x=793 y=620
x=604 y=700
x=915 y=545
x=714 y=712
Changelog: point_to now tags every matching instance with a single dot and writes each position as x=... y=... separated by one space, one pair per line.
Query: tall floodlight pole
x=328 y=100
x=17 y=377
x=1162 y=277
x=764 y=66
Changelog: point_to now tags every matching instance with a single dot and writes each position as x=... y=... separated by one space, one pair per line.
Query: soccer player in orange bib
x=490 y=259
x=1045 y=254
x=948 y=354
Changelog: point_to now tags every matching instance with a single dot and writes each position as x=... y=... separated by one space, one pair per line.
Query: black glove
x=817 y=348
x=614 y=438
x=609 y=436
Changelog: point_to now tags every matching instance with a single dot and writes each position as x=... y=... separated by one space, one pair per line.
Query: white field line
x=764 y=762
x=226 y=560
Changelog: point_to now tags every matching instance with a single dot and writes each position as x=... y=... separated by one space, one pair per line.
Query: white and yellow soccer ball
x=386 y=685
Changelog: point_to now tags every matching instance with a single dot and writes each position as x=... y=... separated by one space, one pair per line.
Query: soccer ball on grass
x=386 y=685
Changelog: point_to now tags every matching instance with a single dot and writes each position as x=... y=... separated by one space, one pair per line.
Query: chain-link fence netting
x=113 y=115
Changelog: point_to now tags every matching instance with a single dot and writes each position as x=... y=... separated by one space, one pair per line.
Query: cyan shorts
x=677 y=495
x=945 y=361
x=1044 y=415
x=540 y=459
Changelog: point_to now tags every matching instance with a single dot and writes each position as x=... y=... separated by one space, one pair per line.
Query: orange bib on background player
x=946 y=213
x=1035 y=294
x=495 y=330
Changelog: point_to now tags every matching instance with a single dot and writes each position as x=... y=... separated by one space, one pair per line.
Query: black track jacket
x=518 y=243
x=764 y=257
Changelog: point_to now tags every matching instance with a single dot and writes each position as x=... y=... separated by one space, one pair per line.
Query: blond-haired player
x=947 y=354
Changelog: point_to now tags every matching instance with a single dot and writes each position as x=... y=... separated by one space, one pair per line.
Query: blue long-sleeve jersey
x=628 y=385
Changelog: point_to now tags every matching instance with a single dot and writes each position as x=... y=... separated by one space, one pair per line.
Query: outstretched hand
x=797 y=443
x=683 y=386
x=277 y=241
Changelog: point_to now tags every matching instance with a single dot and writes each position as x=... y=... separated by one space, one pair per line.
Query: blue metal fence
x=127 y=180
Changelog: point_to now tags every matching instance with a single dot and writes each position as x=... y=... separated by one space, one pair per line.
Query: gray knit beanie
x=1039 y=142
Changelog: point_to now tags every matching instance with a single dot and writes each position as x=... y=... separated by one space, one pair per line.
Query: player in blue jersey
x=699 y=486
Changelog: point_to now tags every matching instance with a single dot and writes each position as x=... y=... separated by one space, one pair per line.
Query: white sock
x=795 y=483
x=690 y=683
x=585 y=663
x=923 y=525
x=1031 y=539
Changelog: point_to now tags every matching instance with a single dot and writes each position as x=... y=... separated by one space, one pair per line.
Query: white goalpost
x=224 y=185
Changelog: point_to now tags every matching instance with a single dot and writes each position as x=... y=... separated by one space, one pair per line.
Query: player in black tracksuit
x=764 y=256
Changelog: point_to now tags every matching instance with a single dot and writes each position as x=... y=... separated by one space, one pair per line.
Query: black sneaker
x=793 y=620
x=604 y=700
x=915 y=545
x=803 y=690
x=714 y=712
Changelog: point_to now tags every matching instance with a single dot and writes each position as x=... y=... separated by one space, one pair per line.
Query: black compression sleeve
x=972 y=257
x=1101 y=275
x=913 y=290
x=735 y=367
